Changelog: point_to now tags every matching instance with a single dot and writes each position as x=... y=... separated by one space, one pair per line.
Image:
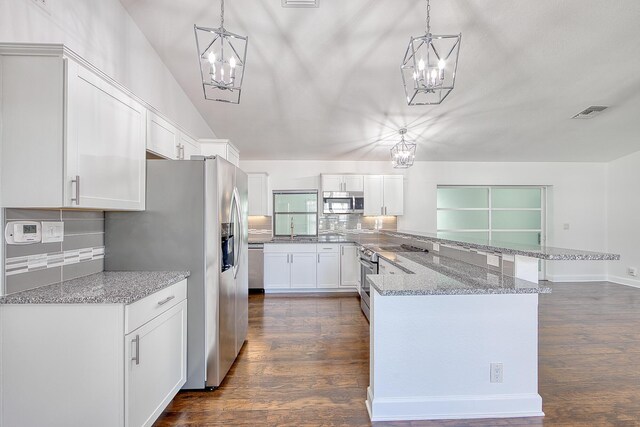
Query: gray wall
x=80 y=254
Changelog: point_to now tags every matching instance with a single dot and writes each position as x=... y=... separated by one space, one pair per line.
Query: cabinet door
x=353 y=182
x=332 y=183
x=105 y=145
x=328 y=274
x=349 y=266
x=162 y=136
x=303 y=270
x=156 y=364
x=277 y=270
x=393 y=194
x=258 y=194
x=190 y=147
x=373 y=194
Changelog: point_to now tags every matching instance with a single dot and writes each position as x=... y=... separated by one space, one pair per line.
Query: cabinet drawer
x=140 y=312
x=290 y=248
x=328 y=248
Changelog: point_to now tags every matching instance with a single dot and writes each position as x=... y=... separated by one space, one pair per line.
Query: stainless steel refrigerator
x=196 y=220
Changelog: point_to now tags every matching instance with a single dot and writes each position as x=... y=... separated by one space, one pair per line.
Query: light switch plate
x=52 y=231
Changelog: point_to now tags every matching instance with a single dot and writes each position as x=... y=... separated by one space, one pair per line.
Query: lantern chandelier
x=222 y=58
x=429 y=66
x=403 y=153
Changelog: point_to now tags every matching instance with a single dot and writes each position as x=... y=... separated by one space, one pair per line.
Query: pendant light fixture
x=221 y=55
x=429 y=66
x=403 y=153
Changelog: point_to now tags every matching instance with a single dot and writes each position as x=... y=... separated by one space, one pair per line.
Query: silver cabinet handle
x=291 y=258
x=182 y=151
x=381 y=210
x=77 y=198
x=136 y=358
x=166 y=300
x=318 y=258
x=178 y=152
x=342 y=250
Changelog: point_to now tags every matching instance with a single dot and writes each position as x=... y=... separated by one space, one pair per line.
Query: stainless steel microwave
x=343 y=202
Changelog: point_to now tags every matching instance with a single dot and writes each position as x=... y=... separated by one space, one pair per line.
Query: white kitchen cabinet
x=102 y=365
x=188 y=146
x=349 y=266
x=162 y=137
x=328 y=271
x=90 y=133
x=277 y=270
x=220 y=147
x=383 y=195
x=303 y=269
x=258 y=194
x=342 y=183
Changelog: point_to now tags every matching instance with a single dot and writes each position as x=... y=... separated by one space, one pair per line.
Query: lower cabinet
x=303 y=270
x=328 y=275
x=99 y=365
x=349 y=266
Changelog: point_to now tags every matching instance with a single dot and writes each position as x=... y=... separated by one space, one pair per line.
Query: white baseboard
x=310 y=291
x=454 y=407
x=625 y=281
x=560 y=278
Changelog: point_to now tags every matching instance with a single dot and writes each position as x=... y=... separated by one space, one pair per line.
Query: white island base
x=431 y=356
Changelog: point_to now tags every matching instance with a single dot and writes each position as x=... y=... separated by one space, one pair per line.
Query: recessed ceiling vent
x=300 y=3
x=590 y=112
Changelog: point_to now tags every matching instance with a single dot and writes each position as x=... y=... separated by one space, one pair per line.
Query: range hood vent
x=590 y=112
x=300 y=3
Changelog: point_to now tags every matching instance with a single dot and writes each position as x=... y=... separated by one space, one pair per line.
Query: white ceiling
x=325 y=83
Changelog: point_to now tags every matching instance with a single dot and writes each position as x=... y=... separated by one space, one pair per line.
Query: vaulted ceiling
x=325 y=83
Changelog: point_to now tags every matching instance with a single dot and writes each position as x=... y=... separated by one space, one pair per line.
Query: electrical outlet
x=632 y=271
x=566 y=226
x=496 y=373
x=44 y=5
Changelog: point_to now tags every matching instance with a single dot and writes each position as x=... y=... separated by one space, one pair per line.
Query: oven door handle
x=367 y=264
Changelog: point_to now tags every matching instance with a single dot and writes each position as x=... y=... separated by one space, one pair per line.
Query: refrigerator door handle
x=235 y=201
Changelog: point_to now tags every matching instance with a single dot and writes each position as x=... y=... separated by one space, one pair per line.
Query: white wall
x=104 y=34
x=624 y=217
x=576 y=197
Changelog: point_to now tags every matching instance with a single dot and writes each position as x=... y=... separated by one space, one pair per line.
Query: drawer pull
x=166 y=300
x=136 y=358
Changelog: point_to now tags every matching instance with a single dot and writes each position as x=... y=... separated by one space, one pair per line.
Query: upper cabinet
x=258 y=194
x=383 y=195
x=166 y=140
x=220 y=147
x=70 y=138
x=342 y=183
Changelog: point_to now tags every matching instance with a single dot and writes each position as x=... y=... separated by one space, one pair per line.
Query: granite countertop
x=429 y=274
x=108 y=287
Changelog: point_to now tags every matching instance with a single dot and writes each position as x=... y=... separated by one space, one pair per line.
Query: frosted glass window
x=297 y=208
x=468 y=236
x=519 y=237
x=463 y=197
x=463 y=220
x=516 y=198
x=516 y=220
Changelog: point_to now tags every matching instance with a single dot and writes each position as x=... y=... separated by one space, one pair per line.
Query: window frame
x=276 y=213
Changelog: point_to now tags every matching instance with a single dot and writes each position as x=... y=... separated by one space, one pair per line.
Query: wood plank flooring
x=305 y=363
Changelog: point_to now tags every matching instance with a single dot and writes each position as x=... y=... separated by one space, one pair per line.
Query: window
x=502 y=214
x=297 y=208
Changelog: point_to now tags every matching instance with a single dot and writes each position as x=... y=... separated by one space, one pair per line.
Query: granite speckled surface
x=386 y=237
x=438 y=275
x=108 y=287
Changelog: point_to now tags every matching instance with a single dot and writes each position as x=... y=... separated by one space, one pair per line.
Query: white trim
x=626 y=281
x=453 y=407
x=310 y=290
x=563 y=278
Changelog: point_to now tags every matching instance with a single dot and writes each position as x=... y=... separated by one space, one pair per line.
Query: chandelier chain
x=428 y=21
x=221 y=13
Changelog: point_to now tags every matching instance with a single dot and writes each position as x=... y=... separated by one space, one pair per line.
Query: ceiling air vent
x=300 y=3
x=590 y=112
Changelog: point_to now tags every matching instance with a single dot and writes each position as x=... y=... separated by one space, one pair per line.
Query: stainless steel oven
x=368 y=265
x=342 y=202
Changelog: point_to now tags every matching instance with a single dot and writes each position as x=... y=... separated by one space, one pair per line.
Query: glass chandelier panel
x=429 y=66
x=403 y=153
x=222 y=56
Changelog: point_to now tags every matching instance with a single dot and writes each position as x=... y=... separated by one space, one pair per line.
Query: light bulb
x=211 y=57
x=232 y=62
x=441 y=64
x=421 y=65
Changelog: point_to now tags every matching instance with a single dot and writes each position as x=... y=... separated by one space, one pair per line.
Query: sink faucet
x=292 y=235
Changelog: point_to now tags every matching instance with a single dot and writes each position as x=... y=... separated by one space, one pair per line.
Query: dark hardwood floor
x=305 y=363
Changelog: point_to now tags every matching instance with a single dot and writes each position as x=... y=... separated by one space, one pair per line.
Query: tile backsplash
x=40 y=264
x=260 y=225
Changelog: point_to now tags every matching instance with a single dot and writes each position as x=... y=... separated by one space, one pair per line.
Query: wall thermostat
x=22 y=232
